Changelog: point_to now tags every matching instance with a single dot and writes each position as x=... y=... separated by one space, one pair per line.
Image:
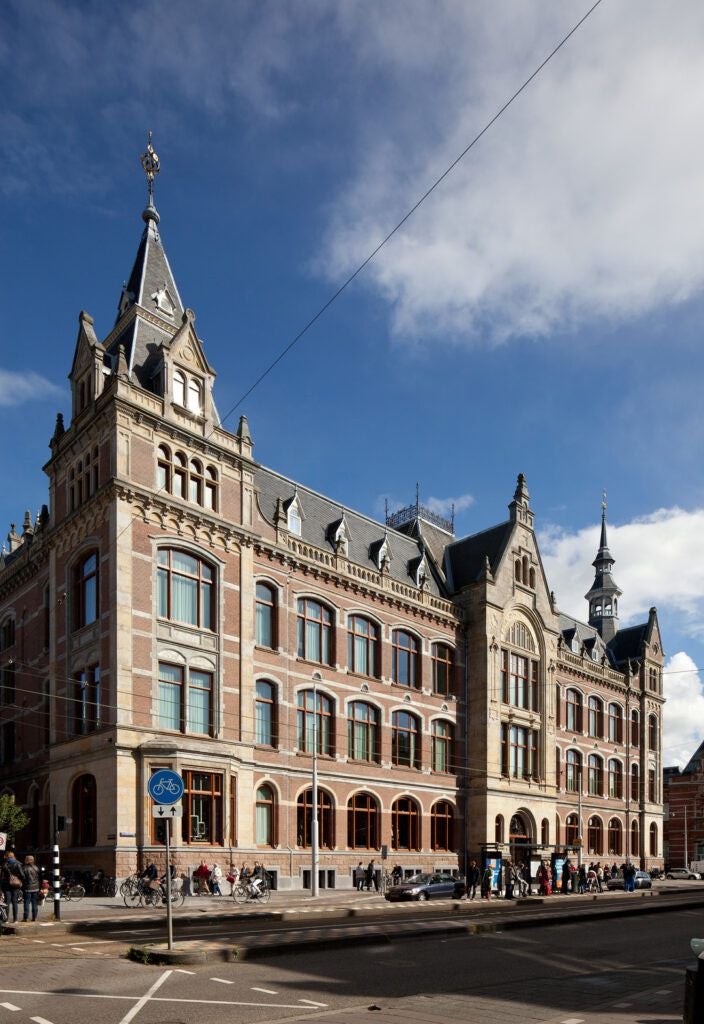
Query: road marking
x=9 y=1006
x=223 y=981
x=40 y=1020
x=663 y=992
x=311 y=1002
x=622 y=1006
x=180 y=970
x=266 y=991
x=573 y=1020
x=145 y=998
x=78 y=949
x=40 y=941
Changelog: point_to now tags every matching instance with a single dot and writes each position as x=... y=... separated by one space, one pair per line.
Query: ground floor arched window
x=326 y=819
x=545 y=832
x=405 y=825
x=442 y=826
x=571 y=830
x=653 y=840
x=595 y=836
x=499 y=829
x=363 y=822
x=635 y=836
x=265 y=817
x=83 y=811
x=615 y=840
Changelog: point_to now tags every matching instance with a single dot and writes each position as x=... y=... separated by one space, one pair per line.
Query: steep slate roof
x=151 y=274
x=628 y=643
x=692 y=766
x=588 y=636
x=320 y=512
x=464 y=560
x=142 y=341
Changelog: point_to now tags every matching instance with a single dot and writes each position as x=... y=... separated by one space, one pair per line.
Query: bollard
x=694 y=992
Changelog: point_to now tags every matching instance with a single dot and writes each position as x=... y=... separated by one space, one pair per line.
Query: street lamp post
x=314 y=794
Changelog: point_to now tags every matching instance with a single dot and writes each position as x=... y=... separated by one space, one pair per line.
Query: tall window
x=185 y=699
x=615 y=779
x=304 y=819
x=314 y=722
x=519 y=752
x=652 y=785
x=202 y=808
x=405 y=668
x=545 y=832
x=595 y=835
x=571 y=830
x=83 y=811
x=615 y=723
x=195 y=401
x=264 y=817
x=635 y=729
x=265 y=615
x=653 y=732
x=442 y=663
x=363 y=646
x=574 y=711
x=499 y=829
x=211 y=488
x=362 y=822
x=520 y=672
x=653 y=840
x=190 y=480
x=86 y=701
x=405 y=827
x=573 y=775
x=195 y=483
x=596 y=717
x=405 y=740
x=179 y=388
x=163 y=468
x=442 y=826
x=184 y=588
x=362 y=732
x=85 y=591
x=595 y=775
x=635 y=782
x=635 y=837
x=441 y=757
x=265 y=714
x=615 y=837
x=314 y=631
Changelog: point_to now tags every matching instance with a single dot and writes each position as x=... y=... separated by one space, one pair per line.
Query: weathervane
x=150 y=162
x=603 y=501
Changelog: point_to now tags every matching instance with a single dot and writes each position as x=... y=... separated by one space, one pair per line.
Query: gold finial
x=603 y=501
x=150 y=162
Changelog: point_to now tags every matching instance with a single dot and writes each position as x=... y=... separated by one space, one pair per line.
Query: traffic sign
x=165 y=786
x=167 y=811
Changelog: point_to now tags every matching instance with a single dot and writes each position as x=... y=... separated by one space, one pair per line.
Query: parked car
x=642 y=881
x=682 y=873
x=427 y=887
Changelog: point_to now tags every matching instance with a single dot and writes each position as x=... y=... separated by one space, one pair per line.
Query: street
x=629 y=969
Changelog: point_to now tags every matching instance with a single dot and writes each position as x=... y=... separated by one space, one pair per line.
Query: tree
x=12 y=818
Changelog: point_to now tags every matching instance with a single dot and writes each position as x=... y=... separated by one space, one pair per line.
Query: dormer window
x=195 y=403
x=294 y=516
x=179 y=388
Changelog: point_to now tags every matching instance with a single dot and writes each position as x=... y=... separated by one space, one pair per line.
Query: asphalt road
x=626 y=970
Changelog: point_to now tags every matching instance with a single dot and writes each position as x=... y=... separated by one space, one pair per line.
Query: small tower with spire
x=604 y=594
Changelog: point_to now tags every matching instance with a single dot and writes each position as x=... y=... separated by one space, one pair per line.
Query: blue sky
x=540 y=313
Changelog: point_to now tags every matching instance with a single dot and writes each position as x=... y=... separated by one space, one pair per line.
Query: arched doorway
x=519 y=838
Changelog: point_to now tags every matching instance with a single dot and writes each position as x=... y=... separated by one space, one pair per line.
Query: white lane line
x=181 y=970
x=223 y=981
x=311 y=1002
x=663 y=992
x=156 y=999
x=266 y=991
x=9 y=1006
x=78 y=949
x=622 y=1006
x=227 y=1002
x=573 y=1020
x=40 y=1020
x=145 y=998
x=71 y=995
x=40 y=941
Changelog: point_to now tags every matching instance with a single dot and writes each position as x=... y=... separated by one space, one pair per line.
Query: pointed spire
x=519 y=509
x=604 y=594
x=243 y=430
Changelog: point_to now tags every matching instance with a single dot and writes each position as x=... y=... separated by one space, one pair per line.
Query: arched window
x=405 y=825
x=326 y=819
x=499 y=828
x=545 y=832
x=179 y=388
x=184 y=588
x=531 y=579
x=635 y=782
x=442 y=663
x=83 y=811
x=517 y=572
x=265 y=817
x=163 y=469
x=615 y=723
x=596 y=718
x=635 y=729
x=653 y=840
x=180 y=475
x=363 y=740
x=574 y=710
x=442 y=826
x=363 y=646
x=405 y=739
x=573 y=775
x=314 y=631
x=195 y=483
x=615 y=837
x=195 y=403
x=442 y=736
x=571 y=830
x=405 y=668
x=595 y=772
x=525 y=569
x=265 y=717
x=520 y=674
x=635 y=844
x=362 y=822
x=211 y=488
x=314 y=722
x=185 y=699
x=85 y=591
x=615 y=779
x=595 y=835
x=265 y=615
x=653 y=732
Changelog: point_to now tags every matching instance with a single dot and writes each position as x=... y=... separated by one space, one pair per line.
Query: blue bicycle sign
x=165 y=786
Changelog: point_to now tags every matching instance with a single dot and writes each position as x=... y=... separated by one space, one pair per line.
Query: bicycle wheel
x=111 y=887
x=76 y=892
x=178 y=898
x=240 y=894
x=264 y=894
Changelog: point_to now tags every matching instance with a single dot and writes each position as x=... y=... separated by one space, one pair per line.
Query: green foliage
x=12 y=818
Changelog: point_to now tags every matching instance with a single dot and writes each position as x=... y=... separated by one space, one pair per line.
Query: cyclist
x=257 y=879
x=151 y=876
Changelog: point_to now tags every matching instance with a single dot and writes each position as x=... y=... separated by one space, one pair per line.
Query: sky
x=540 y=312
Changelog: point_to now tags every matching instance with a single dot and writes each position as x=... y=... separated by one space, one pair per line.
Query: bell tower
x=604 y=594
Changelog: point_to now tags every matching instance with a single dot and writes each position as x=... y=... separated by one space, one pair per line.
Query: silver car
x=682 y=873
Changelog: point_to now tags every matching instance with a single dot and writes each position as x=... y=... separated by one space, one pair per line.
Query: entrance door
x=519 y=839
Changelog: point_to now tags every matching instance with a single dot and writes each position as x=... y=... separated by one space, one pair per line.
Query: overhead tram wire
x=294 y=341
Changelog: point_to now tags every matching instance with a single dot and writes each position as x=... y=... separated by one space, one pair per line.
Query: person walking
x=542 y=877
x=509 y=877
x=566 y=878
x=12 y=883
x=31 y=888
x=487 y=879
x=202 y=878
x=370 y=877
x=359 y=877
x=582 y=879
x=215 y=880
x=599 y=877
x=472 y=879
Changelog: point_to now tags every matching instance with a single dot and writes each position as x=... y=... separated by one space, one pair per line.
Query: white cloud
x=683 y=724
x=444 y=506
x=17 y=388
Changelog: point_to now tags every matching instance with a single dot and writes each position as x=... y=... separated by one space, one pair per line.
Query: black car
x=427 y=887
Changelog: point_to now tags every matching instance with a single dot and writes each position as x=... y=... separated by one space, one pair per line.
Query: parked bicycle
x=71 y=890
x=244 y=892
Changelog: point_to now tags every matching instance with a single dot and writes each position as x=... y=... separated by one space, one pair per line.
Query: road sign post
x=166 y=790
